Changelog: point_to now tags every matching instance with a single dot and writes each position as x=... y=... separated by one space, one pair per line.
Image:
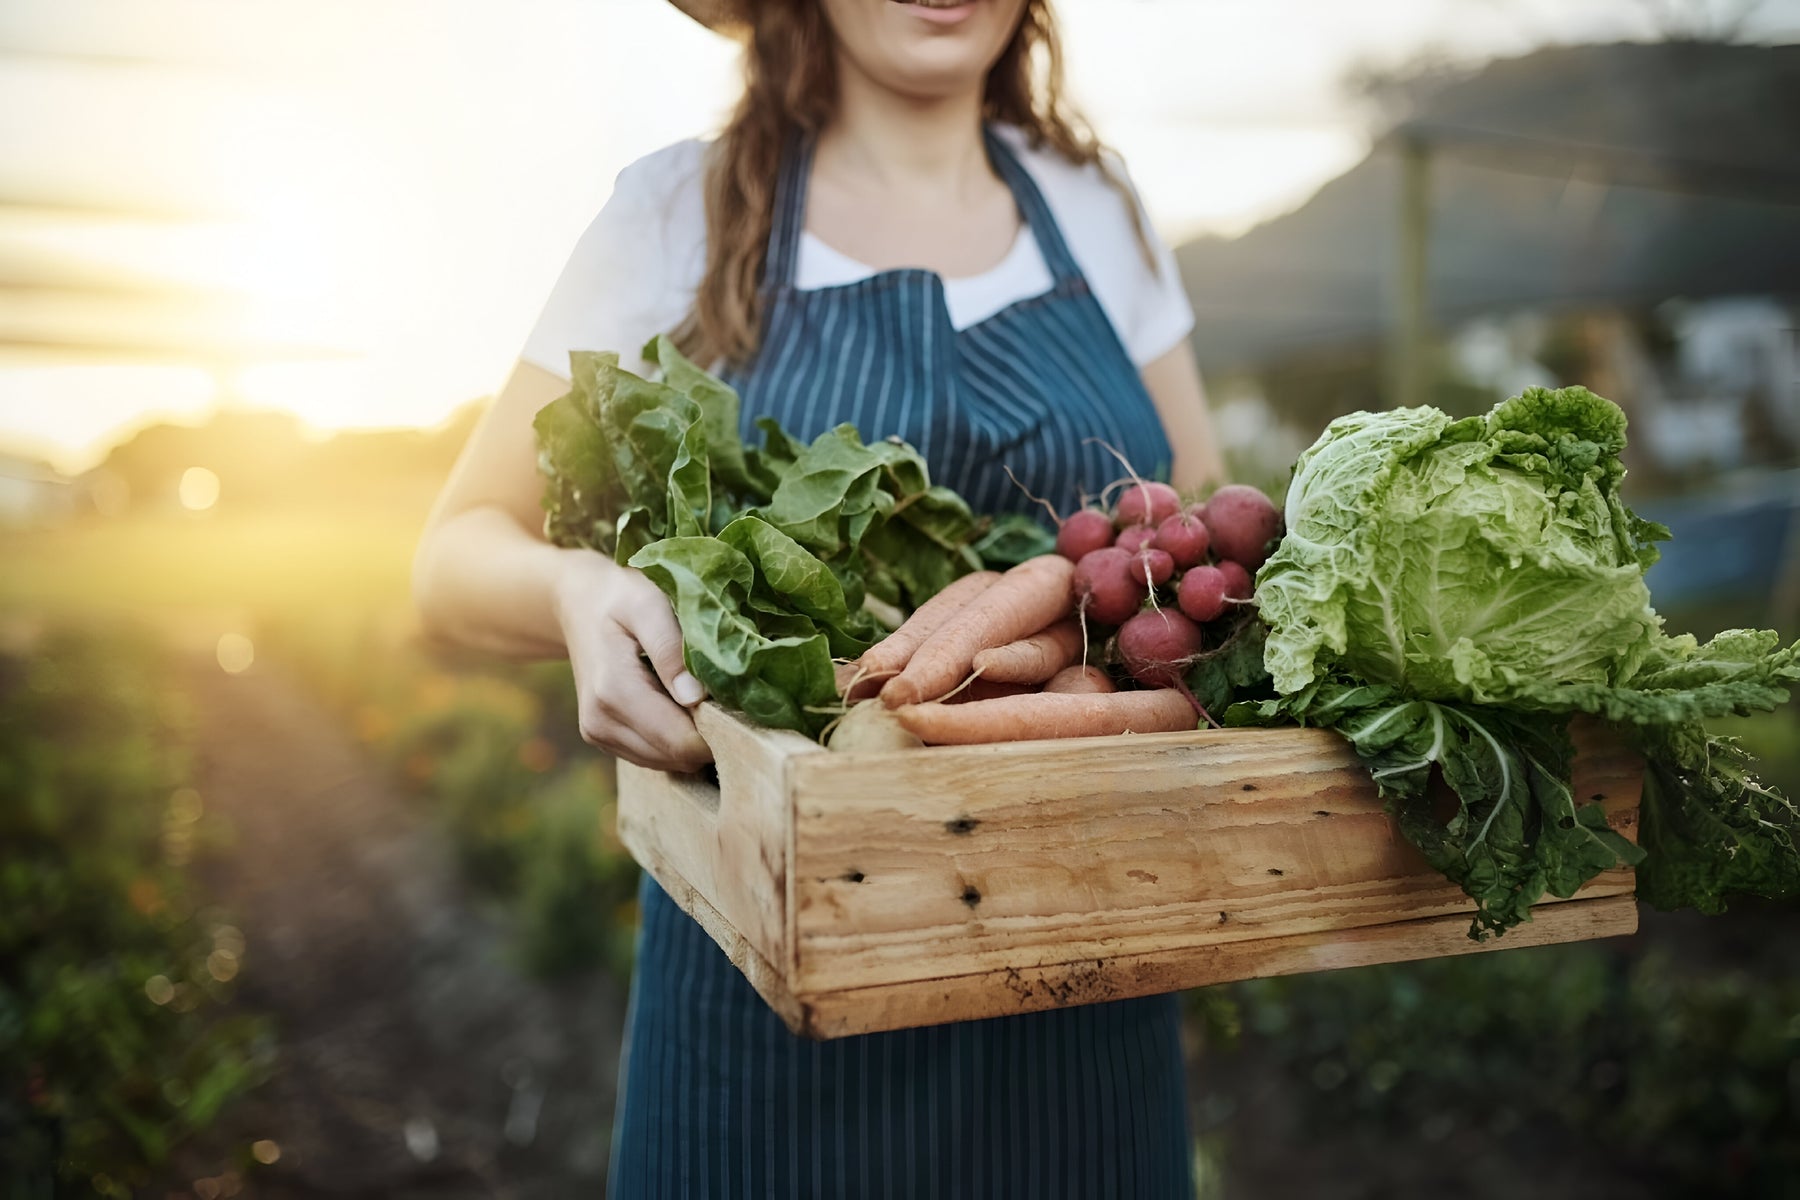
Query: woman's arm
x=484 y=577
x=1173 y=381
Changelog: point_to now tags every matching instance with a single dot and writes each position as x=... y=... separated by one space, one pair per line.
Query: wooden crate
x=862 y=892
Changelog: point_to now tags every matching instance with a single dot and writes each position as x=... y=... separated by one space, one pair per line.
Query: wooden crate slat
x=1009 y=992
x=980 y=857
x=857 y=891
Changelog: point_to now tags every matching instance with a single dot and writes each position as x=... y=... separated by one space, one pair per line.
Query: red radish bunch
x=1162 y=573
x=1151 y=551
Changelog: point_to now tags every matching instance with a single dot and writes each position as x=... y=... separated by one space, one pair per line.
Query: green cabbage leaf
x=1451 y=592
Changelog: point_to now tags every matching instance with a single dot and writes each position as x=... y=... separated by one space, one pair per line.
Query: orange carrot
x=1026 y=599
x=1048 y=715
x=1033 y=659
x=1081 y=680
x=889 y=656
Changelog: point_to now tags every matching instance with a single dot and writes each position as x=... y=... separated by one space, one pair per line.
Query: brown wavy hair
x=790 y=86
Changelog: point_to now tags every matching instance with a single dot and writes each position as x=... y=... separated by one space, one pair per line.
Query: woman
x=900 y=227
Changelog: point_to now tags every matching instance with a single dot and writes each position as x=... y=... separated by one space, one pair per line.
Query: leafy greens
x=1451 y=592
x=774 y=556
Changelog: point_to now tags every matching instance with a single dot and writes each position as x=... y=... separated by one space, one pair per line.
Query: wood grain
x=729 y=843
x=872 y=891
x=987 y=857
x=1008 y=992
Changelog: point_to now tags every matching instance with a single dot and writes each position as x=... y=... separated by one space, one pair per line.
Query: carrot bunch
x=1004 y=657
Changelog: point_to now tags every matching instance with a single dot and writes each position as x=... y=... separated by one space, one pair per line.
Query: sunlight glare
x=199 y=489
x=236 y=653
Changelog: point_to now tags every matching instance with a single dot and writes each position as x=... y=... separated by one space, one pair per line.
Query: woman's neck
x=882 y=139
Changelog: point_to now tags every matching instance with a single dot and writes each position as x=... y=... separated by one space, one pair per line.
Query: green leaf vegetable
x=775 y=558
x=1450 y=592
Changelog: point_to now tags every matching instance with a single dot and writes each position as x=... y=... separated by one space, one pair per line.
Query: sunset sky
x=353 y=208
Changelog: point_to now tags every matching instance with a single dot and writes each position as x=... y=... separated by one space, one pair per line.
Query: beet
x=1185 y=537
x=1158 y=645
x=1086 y=530
x=1103 y=587
x=1148 y=504
x=1244 y=524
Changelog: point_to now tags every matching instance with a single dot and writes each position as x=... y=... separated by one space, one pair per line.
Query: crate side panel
x=978 y=859
x=1013 y=991
x=728 y=844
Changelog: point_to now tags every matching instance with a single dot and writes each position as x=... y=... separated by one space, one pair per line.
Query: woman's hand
x=611 y=615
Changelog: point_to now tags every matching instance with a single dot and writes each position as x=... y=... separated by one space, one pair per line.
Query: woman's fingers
x=609 y=617
x=652 y=622
x=623 y=710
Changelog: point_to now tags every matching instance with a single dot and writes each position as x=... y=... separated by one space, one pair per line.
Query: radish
x=1238 y=584
x=1083 y=531
x=1081 y=679
x=1151 y=566
x=870 y=727
x=1203 y=591
x=1185 y=537
x=1148 y=504
x=1104 y=588
x=1244 y=523
x=1157 y=647
x=1133 y=538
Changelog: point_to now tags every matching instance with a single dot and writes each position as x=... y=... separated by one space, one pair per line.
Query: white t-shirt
x=634 y=272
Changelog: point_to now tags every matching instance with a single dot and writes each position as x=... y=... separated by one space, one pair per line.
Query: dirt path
x=415 y=1057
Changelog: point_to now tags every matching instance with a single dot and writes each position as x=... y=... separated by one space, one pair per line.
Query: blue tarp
x=1726 y=545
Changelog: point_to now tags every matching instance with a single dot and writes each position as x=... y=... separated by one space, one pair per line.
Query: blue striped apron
x=718 y=1099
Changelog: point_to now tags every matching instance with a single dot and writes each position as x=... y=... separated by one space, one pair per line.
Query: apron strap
x=790 y=212
x=1033 y=207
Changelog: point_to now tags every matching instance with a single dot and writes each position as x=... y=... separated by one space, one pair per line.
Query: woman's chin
x=920 y=78
x=925 y=50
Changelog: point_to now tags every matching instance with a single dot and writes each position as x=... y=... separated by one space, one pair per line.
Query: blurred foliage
x=115 y=1044
x=1668 y=1063
x=1643 y=1063
x=494 y=752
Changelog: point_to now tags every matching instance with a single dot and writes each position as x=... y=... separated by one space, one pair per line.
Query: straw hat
x=726 y=16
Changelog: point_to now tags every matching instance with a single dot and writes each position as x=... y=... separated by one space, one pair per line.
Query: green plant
x=115 y=1040
x=1660 y=1065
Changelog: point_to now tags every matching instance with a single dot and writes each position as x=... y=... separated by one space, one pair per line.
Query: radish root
x=973 y=676
x=1123 y=461
x=1048 y=507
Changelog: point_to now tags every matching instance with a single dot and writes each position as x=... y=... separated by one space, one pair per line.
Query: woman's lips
x=940 y=12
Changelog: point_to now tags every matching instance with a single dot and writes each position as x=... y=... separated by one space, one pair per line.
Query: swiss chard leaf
x=582 y=496
x=720 y=408
x=776 y=681
x=831 y=494
x=1012 y=539
x=801 y=583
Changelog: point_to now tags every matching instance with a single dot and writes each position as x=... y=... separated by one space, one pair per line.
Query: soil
x=416 y=1058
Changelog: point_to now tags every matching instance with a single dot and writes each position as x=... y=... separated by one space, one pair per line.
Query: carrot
x=1081 y=679
x=1048 y=715
x=1034 y=659
x=890 y=655
x=1026 y=599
